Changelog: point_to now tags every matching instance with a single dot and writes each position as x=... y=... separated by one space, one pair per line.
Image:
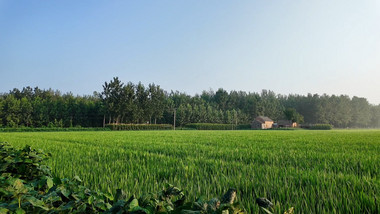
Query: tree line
x=137 y=103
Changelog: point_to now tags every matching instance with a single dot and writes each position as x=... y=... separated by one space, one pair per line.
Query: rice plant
x=334 y=171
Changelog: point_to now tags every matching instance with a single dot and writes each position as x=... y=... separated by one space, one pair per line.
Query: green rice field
x=333 y=171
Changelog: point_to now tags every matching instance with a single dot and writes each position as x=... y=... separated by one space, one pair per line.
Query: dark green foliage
x=26 y=186
x=48 y=108
x=263 y=202
x=210 y=126
x=243 y=127
x=112 y=97
x=293 y=115
x=340 y=111
x=361 y=115
x=137 y=127
x=24 y=163
x=52 y=129
x=132 y=103
x=320 y=127
x=217 y=126
x=136 y=103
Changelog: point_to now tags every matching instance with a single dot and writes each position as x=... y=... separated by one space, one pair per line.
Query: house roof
x=263 y=119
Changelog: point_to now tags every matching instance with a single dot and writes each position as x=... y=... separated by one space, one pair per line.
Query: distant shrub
x=320 y=127
x=136 y=127
x=283 y=128
x=244 y=127
x=210 y=126
x=51 y=129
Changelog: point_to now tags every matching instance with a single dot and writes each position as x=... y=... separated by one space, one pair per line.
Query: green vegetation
x=312 y=171
x=320 y=127
x=52 y=129
x=244 y=127
x=139 y=126
x=138 y=104
x=217 y=126
x=27 y=186
x=293 y=115
x=210 y=126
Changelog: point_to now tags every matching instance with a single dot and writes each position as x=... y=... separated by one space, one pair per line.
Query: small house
x=262 y=122
x=286 y=124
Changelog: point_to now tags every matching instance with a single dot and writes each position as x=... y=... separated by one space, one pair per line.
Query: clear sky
x=290 y=47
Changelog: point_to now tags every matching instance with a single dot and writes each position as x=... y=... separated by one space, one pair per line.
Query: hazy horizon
x=293 y=47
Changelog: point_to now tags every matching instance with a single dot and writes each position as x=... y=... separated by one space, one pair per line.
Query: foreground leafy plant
x=27 y=186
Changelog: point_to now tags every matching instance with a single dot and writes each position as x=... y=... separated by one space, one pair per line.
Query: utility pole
x=175 y=111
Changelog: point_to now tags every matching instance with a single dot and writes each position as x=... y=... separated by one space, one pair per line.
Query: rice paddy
x=313 y=171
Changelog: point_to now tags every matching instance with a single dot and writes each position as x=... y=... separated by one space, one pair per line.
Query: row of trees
x=132 y=103
x=38 y=108
x=136 y=103
x=340 y=111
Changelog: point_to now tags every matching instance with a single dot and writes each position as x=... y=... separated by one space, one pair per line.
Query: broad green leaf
x=82 y=208
x=3 y=210
x=101 y=205
x=108 y=205
x=77 y=179
x=37 y=203
x=225 y=212
x=90 y=199
x=65 y=192
x=134 y=203
x=138 y=208
x=17 y=184
x=68 y=206
x=169 y=208
x=117 y=207
x=19 y=187
x=20 y=211
x=109 y=196
x=49 y=182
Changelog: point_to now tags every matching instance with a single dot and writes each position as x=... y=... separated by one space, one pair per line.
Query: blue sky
x=290 y=47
